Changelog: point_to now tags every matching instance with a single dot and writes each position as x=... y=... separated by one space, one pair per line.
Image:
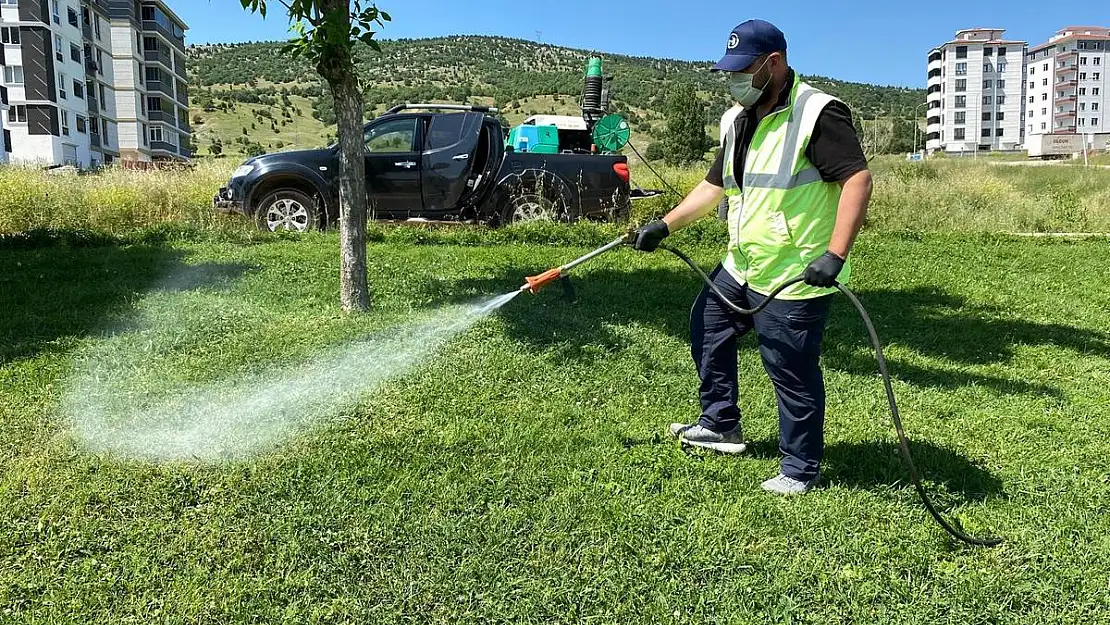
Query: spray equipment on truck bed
x=595 y=131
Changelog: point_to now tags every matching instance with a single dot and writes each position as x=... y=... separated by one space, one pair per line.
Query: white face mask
x=740 y=84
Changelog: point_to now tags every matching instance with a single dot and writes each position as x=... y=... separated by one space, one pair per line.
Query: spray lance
x=537 y=282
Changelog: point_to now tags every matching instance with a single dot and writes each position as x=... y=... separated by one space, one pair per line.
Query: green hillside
x=236 y=81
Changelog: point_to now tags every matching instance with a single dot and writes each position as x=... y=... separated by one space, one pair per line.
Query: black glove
x=823 y=271
x=650 y=236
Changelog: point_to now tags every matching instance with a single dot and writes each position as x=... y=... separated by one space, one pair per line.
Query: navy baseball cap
x=748 y=42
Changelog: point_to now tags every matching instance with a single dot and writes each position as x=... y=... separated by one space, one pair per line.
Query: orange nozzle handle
x=535 y=283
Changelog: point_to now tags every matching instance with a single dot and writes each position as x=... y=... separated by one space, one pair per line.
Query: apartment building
x=1067 y=82
x=976 y=93
x=148 y=48
x=5 y=140
x=76 y=73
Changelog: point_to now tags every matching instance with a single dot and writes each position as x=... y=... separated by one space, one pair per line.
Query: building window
x=1044 y=82
x=1096 y=76
x=81 y=125
x=13 y=74
x=58 y=47
x=958 y=134
x=1082 y=75
x=987 y=116
x=1001 y=68
x=986 y=68
x=961 y=69
x=1042 y=125
x=65 y=121
x=103 y=98
x=1094 y=106
x=10 y=35
x=961 y=52
x=1094 y=121
x=1098 y=60
x=1094 y=90
x=96 y=25
x=1032 y=84
x=1082 y=106
x=961 y=101
x=17 y=114
x=152 y=74
x=55 y=11
x=62 y=86
x=1032 y=70
x=987 y=84
x=154 y=104
x=1082 y=91
x=961 y=117
x=985 y=133
x=987 y=100
x=1044 y=111
x=78 y=89
x=144 y=134
x=1044 y=96
x=988 y=51
x=1082 y=121
x=99 y=61
x=94 y=125
x=1002 y=52
x=1000 y=84
x=998 y=132
x=1001 y=100
x=1000 y=116
x=156 y=133
x=1082 y=60
x=1045 y=68
x=74 y=19
x=961 y=84
x=74 y=53
x=148 y=13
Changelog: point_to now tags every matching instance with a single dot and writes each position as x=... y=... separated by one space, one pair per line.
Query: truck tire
x=526 y=207
x=289 y=210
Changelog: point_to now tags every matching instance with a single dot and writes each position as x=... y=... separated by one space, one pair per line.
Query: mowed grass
x=523 y=475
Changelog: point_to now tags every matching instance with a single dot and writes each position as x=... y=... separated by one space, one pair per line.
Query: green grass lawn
x=522 y=474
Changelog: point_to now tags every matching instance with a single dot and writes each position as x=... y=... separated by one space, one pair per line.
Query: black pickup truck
x=431 y=163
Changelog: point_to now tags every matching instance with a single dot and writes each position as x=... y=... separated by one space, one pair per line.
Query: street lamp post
x=915 y=123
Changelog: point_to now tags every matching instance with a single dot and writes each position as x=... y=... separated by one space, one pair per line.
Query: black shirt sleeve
x=716 y=175
x=834 y=149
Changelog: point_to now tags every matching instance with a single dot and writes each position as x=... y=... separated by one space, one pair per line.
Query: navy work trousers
x=789 y=333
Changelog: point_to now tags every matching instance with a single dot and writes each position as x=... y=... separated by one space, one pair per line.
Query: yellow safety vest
x=783 y=217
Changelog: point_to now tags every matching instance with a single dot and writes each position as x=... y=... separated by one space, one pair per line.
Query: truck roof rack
x=445 y=107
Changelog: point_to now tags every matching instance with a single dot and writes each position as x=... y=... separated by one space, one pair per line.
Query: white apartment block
x=1067 y=82
x=152 y=94
x=70 y=103
x=976 y=93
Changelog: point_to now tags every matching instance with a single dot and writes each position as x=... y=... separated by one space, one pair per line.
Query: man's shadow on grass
x=928 y=321
x=864 y=464
x=54 y=289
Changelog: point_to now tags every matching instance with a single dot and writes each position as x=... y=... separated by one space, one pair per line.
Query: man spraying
x=797 y=187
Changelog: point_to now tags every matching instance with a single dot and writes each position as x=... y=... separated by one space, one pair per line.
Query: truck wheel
x=527 y=207
x=289 y=210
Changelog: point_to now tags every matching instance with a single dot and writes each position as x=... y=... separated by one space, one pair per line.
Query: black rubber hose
x=952 y=528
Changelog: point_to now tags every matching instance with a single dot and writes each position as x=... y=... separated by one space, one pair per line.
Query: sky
x=875 y=41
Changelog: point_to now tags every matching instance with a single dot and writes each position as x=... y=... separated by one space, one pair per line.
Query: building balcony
x=183 y=94
x=1064 y=114
x=94 y=105
x=87 y=31
x=157 y=86
x=158 y=56
x=183 y=126
x=934 y=73
x=934 y=97
x=185 y=152
x=1066 y=68
x=94 y=140
x=160 y=116
x=179 y=65
x=933 y=121
x=163 y=146
x=1065 y=98
x=155 y=27
x=1065 y=84
x=1068 y=55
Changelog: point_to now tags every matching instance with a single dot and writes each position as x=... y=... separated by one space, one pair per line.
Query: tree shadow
x=54 y=292
x=928 y=321
x=866 y=464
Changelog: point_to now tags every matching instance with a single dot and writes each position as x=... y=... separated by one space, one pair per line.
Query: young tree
x=327 y=31
x=684 y=136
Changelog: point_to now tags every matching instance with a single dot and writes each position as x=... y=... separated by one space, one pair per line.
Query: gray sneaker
x=731 y=442
x=782 y=485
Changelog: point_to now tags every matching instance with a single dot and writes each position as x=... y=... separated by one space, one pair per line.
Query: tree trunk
x=337 y=66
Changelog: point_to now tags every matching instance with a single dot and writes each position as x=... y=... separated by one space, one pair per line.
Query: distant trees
x=684 y=136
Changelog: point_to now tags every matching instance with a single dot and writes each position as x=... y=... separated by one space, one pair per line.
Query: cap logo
x=733 y=41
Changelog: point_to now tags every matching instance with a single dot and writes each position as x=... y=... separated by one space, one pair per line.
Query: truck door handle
x=406 y=164
x=460 y=157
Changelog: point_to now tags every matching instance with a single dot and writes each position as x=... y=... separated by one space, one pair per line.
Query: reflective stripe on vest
x=782 y=218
